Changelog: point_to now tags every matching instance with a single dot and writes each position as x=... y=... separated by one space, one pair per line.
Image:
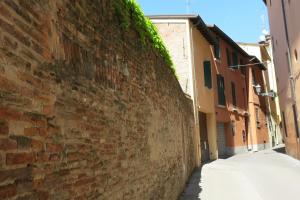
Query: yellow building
x=191 y=46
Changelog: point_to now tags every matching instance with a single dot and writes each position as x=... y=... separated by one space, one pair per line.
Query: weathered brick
x=8 y=191
x=19 y=158
x=15 y=174
x=54 y=148
x=7 y=113
x=7 y=144
x=84 y=111
x=17 y=9
x=10 y=29
x=1 y=161
x=22 y=141
x=4 y=12
x=9 y=43
x=37 y=145
x=84 y=181
x=35 y=195
x=35 y=131
x=4 y=130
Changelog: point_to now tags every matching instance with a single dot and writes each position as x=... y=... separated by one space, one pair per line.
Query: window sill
x=221 y=106
x=217 y=60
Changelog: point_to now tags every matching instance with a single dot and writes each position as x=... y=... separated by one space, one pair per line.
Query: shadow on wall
x=193 y=189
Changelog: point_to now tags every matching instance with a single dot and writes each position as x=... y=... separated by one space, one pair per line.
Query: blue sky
x=242 y=20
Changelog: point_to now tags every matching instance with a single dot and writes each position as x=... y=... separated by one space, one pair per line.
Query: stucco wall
x=283 y=71
x=86 y=110
x=202 y=51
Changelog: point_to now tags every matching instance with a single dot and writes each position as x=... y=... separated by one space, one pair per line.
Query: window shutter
x=228 y=57
x=217 y=49
x=233 y=93
x=221 y=90
x=207 y=74
x=235 y=59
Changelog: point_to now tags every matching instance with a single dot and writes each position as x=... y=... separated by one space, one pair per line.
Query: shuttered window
x=253 y=77
x=228 y=57
x=233 y=94
x=221 y=90
x=235 y=59
x=217 y=49
x=207 y=74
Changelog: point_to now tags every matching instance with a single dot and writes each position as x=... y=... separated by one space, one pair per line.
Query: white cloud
x=265 y=32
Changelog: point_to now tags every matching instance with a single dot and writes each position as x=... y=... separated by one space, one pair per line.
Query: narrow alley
x=149 y=100
x=265 y=175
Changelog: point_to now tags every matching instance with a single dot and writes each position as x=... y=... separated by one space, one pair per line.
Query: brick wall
x=87 y=111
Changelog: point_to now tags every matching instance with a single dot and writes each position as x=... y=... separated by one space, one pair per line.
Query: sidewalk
x=265 y=175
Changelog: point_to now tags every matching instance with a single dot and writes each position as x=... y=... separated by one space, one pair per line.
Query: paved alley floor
x=265 y=175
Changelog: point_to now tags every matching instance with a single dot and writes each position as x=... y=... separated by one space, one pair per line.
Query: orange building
x=240 y=111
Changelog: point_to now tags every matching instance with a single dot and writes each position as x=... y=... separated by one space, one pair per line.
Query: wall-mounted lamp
x=267 y=94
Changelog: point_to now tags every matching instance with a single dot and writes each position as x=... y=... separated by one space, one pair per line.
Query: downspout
x=249 y=106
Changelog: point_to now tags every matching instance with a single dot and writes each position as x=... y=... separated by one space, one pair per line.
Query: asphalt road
x=265 y=175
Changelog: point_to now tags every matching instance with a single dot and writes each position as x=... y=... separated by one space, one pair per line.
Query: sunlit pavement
x=265 y=175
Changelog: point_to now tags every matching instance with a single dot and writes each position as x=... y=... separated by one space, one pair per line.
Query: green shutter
x=228 y=57
x=207 y=74
x=221 y=90
x=235 y=59
x=217 y=48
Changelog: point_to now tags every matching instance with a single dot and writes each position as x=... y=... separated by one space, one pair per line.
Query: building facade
x=263 y=52
x=191 y=46
x=218 y=75
x=241 y=112
x=285 y=35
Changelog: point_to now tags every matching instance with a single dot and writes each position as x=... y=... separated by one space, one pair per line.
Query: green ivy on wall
x=128 y=12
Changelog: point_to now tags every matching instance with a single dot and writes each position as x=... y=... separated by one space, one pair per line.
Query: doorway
x=221 y=140
x=205 y=157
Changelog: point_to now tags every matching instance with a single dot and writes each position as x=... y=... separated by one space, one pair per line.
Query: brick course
x=87 y=111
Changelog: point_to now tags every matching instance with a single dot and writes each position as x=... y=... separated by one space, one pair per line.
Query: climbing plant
x=129 y=13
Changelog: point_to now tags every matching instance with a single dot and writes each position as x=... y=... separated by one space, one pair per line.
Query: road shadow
x=193 y=189
x=280 y=150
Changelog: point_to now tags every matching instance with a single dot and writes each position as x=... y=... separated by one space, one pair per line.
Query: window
x=217 y=49
x=284 y=124
x=242 y=68
x=244 y=135
x=253 y=77
x=257 y=117
x=233 y=94
x=296 y=54
x=221 y=90
x=235 y=60
x=245 y=98
x=228 y=57
x=207 y=74
x=296 y=120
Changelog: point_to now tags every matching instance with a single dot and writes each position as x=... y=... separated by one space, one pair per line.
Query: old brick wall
x=86 y=110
